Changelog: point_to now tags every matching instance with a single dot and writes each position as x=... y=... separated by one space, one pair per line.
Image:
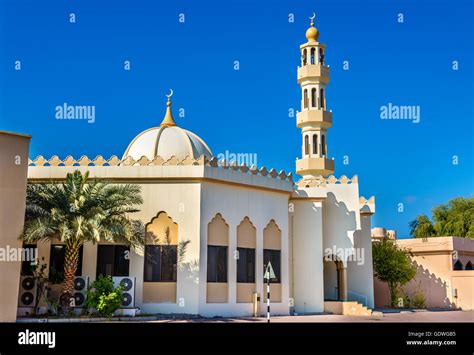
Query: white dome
x=167 y=141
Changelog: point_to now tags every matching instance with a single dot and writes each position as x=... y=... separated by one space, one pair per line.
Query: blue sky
x=246 y=111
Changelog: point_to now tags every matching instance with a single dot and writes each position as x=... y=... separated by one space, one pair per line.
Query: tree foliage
x=80 y=210
x=392 y=265
x=456 y=218
x=103 y=297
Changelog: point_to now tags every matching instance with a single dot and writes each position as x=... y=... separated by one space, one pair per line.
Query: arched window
x=161 y=260
x=305 y=57
x=272 y=254
x=468 y=266
x=457 y=265
x=321 y=56
x=305 y=98
x=306 y=145
x=313 y=55
x=315 y=144
x=246 y=269
x=323 y=144
x=321 y=98
x=313 y=97
x=217 y=260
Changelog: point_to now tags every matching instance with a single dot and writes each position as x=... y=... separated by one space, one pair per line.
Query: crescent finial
x=313 y=17
x=170 y=94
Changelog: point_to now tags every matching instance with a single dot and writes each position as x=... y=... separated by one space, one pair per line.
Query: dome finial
x=312 y=32
x=168 y=119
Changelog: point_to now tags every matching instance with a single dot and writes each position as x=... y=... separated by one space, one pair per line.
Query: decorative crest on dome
x=168 y=119
x=312 y=19
x=312 y=32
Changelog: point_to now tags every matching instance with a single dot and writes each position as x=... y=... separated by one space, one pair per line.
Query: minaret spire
x=168 y=119
x=313 y=120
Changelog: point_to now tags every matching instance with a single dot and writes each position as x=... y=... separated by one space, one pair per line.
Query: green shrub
x=419 y=300
x=403 y=300
x=103 y=297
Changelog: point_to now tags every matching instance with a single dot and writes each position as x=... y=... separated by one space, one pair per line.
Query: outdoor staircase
x=348 y=308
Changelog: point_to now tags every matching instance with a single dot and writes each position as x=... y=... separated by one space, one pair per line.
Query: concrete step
x=350 y=308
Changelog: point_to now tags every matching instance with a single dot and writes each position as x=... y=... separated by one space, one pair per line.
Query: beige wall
x=245 y=292
x=308 y=256
x=435 y=277
x=463 y=283
x=360 y=284
x=13 y=173
x=275 y=293
x=217 y=292
x=159 y=292
x=234 y=204
x=192 y=196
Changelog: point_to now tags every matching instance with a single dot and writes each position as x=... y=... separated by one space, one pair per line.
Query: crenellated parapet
x=367 y=206
x=203 y=160
x=70 y=161
x=321 y=181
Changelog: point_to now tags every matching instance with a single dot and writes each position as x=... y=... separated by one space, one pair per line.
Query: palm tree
x=80 y=210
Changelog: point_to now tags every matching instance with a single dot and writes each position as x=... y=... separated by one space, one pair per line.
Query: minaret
x=314 y=120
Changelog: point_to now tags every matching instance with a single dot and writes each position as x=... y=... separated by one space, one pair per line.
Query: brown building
x=444 y=273
x=13 y=173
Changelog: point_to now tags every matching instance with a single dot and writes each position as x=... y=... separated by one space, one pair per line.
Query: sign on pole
x=269 y=274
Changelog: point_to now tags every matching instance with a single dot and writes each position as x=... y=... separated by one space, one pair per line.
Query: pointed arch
x=315 y=143
x=322 y=99
x=305 y=98
x=160 y=267
x=313 y=55
x=457 y=265
x=305 y=57
x=323 y=144
x=161 y=230
x=313 y=97
x=246 y=234
x=272 y=236
x=306 y=144
x=218 y=231
x=217 y=260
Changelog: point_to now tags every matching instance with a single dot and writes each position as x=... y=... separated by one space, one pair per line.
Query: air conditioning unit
x=80 y=290
x=128 y=290
x=27 y=294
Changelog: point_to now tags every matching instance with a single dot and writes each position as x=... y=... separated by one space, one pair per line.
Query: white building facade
x=212 y=226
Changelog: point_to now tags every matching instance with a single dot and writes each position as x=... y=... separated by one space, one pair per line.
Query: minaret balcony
x=314 y=117
x=313 y=72
x=315 y=166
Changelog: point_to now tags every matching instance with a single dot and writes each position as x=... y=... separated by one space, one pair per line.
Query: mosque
x=232 y=219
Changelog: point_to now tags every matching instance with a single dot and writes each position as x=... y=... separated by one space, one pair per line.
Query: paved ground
x=425 y=316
